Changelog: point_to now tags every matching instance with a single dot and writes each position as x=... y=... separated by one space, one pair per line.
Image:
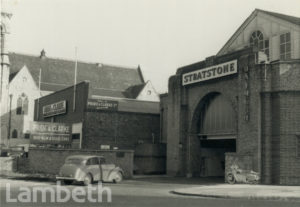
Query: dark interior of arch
x=217 y=118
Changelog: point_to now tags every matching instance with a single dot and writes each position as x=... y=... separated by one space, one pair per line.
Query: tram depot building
x=240 y=107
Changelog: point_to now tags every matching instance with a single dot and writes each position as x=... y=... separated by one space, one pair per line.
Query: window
x=75 y=136
x=25 y=106
x=93 y=161
x=26 y=135
x=285 y=46
x=14 y=134
x=19 y=106
x=22 y=105
x=257 y=40
x=102 y=160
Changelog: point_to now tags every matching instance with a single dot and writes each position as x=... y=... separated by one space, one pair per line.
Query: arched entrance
x=215 y=128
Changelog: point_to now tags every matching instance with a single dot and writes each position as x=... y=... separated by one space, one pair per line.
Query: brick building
x=241 y=106
x=102 y=121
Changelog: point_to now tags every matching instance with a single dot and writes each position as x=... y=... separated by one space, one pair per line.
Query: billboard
x=100 y=105
x=211 y=72
x=55 y=108
x=50 y=133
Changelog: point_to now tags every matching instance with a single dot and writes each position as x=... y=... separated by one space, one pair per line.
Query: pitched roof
x=105 y=80
x=292 y=19
x=134 y=91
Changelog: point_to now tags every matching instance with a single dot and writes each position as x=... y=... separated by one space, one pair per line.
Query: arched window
x=25 y=106
x=257 y=39
x=19 y=105
x=14 y=134
x=22 y=104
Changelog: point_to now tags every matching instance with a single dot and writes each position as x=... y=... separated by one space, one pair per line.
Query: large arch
x=197 y=137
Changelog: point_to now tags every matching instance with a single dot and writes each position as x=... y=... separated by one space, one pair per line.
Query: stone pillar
x=4 y=73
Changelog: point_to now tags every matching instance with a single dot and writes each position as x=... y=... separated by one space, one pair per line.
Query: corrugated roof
x=292 y=19
x=59 y=73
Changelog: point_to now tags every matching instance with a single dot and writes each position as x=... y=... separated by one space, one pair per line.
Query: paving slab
x=242 y=191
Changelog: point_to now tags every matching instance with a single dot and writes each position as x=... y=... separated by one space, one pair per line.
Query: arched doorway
x=215 y=124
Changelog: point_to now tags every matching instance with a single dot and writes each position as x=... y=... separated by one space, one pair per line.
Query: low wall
x=7 y=165
x=49 y=161
x=150 y=159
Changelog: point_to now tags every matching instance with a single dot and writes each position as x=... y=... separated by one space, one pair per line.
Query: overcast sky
x=158 y=35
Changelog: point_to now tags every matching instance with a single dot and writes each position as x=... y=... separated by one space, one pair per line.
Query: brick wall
x=120 y=129
x=49 y=161
x=266 y=101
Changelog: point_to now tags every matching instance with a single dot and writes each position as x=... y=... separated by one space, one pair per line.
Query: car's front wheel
x=230 y=178
x=87 y=179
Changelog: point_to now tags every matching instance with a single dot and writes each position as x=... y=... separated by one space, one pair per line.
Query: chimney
x=43 y=54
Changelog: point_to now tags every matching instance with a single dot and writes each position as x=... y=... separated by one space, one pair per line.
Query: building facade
x=240 y=107
x=100 y=122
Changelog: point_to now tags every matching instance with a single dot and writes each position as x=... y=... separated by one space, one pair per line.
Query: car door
x=105 y=169
x=93 y=167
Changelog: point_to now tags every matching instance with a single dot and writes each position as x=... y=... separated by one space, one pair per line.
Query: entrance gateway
x=216 y=133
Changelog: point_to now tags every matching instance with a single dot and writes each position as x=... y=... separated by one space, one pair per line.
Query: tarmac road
x=137 y=192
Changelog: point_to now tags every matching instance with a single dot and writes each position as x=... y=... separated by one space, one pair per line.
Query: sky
x=158 y=35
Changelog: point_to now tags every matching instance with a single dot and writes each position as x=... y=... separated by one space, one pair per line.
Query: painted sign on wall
x=100 y=105
x=50 y=133
x=208 y=73
x=55 y=108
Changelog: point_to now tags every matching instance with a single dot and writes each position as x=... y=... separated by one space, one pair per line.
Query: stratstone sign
x=50 y=133
x=208 y=73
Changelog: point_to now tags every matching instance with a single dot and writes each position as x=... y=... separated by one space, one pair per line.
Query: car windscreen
x=75 y=161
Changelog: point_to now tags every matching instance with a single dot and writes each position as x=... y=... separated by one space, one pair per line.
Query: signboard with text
x=208 y=73
x=50 y=133
x=100 y=105
x=55 y=108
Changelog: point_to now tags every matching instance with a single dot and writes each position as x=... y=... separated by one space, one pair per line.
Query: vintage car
x=237 y=175
x=88 y=169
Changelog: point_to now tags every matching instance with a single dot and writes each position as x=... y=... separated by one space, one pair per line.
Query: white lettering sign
x=208 y=73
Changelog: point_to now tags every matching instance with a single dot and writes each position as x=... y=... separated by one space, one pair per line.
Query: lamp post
x=9 y=120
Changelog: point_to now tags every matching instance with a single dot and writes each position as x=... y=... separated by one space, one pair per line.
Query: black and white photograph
x=150 y=103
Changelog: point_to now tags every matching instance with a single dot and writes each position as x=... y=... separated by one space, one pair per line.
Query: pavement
x=200 y=187
x=243 y=191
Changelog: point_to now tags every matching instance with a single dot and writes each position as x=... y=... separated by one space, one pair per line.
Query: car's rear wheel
x=88 y=179
x=118 y=177
x=230 y=178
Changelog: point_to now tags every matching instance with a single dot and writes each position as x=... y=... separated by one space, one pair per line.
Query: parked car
x=88 y=169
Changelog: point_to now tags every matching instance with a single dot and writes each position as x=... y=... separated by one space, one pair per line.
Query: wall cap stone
x=80 y=150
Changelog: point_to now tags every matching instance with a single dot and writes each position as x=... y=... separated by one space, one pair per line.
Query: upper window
x=19 y=105
x=257 y=40
x=285 y=46
x=22 y=105
x=14 y=134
